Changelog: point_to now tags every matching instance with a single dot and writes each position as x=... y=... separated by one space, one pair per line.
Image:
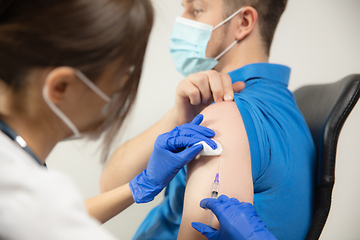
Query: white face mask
x=63 y=117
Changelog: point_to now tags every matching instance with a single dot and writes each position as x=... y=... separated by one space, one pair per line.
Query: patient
x=268 y=154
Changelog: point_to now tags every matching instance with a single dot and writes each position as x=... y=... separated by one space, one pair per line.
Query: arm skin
x=107 y=205
x=235 y=168
x=193 y=94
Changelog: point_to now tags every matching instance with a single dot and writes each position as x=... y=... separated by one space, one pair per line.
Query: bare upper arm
x=234 y=169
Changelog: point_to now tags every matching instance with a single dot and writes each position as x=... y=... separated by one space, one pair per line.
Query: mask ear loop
x=228 y=19
x=91 y=85
x=97 y=90
x=226 y=50
x=222 y=23
x=59 y=113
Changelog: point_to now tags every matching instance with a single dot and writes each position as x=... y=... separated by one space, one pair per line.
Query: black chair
x=326 y=108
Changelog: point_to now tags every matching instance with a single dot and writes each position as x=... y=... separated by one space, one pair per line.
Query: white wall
x=319 y=40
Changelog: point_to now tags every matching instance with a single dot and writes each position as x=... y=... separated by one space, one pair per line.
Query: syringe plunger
x=215 y=187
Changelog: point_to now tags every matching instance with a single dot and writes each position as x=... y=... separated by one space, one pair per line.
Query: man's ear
x=58 y=82
x=247 y=21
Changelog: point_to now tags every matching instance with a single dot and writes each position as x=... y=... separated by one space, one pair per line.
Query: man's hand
x=198 y=90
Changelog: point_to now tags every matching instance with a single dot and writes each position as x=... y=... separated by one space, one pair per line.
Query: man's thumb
x=238 y=86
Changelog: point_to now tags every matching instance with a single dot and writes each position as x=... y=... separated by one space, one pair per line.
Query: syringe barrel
x=215 y=186
x=215 y=190
x=214 y=194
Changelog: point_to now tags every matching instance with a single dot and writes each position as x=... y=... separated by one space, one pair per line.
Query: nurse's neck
x=24 y=112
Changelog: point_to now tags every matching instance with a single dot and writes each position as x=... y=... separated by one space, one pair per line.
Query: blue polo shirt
x=283 y=159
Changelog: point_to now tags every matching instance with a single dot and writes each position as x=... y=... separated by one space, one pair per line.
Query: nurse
x=71 y=69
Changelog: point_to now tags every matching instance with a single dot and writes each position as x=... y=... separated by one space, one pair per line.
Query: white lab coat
x=37 y=204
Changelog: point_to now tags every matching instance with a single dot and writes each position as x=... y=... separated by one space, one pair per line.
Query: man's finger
x=227 y=86
x=201 y=81
x=216 y=85
x=191 y=92
x=238 y=86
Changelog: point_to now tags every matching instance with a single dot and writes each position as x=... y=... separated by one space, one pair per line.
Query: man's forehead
x=202 y=3
x=207 y=2
x=192 y=1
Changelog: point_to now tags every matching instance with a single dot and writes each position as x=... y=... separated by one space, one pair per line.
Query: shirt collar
x=267 y=71
x=19 y=140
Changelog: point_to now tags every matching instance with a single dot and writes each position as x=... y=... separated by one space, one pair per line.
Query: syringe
x=215 y=187
x=214 y=194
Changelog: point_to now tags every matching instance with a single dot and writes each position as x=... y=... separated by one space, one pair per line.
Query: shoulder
x=225 y=120
x=222 y=112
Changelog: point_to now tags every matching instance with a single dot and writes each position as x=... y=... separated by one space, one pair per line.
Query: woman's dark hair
x=87 y=35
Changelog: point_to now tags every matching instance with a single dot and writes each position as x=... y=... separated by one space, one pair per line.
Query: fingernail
x=228 y=97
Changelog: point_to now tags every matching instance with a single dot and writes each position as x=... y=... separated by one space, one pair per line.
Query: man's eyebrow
x=190 y=1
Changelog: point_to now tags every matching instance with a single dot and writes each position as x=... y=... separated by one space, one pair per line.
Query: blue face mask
x=188 y=44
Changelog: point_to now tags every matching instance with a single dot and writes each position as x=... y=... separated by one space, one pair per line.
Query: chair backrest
x=325 y=109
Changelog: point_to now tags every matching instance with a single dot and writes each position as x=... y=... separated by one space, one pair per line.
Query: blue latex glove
x=172 y=151
x=238 y=221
